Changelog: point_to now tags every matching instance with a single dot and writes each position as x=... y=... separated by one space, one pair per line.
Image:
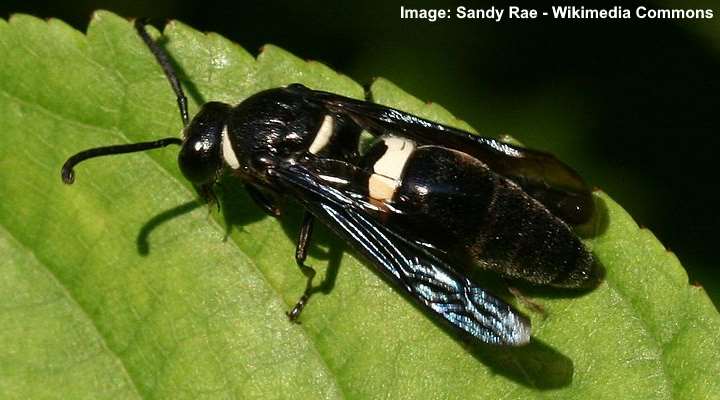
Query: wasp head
x=200 y=158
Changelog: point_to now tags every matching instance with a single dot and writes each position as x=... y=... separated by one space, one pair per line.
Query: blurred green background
x=631 y=104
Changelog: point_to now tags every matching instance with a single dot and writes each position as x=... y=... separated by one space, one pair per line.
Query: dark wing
x=540 y=174
x=431 y=282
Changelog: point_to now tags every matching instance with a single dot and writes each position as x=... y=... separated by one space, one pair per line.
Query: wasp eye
x=199 y=159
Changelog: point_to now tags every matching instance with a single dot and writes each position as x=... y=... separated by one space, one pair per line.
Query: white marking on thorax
x=323 y=135
x=228 y=152
x=388 y=169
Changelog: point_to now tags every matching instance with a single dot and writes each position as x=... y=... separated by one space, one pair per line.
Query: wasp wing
x=431 y=282
x=540 y=174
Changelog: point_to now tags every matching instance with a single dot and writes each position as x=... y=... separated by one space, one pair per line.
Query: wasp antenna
x=164 y=61
x=68 y=174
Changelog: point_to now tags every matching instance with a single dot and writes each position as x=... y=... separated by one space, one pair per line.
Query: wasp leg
x=533 y=306
x=265 y=203
x=208 y=195
x=300 y=255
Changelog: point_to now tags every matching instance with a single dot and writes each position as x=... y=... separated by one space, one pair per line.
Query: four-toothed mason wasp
x=425 y=204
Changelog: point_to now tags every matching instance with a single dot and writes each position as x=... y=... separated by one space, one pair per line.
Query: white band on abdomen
x=388 y=169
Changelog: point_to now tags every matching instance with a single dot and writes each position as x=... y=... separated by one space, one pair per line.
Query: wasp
x=425 y=204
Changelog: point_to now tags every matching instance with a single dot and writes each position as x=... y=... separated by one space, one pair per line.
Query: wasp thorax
x=200 y=158
x=279 y=121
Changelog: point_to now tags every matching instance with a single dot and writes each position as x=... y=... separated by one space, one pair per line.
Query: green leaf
x=122 y=286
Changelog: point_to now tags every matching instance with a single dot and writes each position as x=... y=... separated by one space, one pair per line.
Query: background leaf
x=122 y=285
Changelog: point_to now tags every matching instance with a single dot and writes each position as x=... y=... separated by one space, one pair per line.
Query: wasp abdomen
x=454 y=201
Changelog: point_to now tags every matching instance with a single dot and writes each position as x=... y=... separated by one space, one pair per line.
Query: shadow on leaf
x=143 y=244
x=536 y=365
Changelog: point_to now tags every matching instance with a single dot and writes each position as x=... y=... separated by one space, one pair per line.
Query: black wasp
x=425 y=204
